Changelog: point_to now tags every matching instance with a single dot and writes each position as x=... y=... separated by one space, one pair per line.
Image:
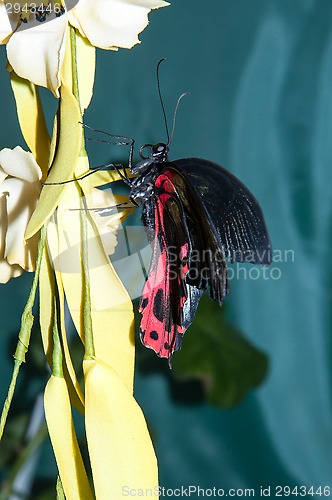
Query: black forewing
x=231 y=209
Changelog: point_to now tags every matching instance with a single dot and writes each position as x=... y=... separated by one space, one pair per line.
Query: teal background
x=259 y=74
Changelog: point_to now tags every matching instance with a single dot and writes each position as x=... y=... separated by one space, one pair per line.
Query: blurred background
x=259 y=75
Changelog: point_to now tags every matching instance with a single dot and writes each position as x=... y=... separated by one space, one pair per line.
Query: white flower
x=36 y=47
x=19 y=191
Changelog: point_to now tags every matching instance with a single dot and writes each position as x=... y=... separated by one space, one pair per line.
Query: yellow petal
x=64 y=162
x=112 y=23
x=112 y=313
x=32 y=120
x=64 y=442
x=120 y=448
x=46 y=313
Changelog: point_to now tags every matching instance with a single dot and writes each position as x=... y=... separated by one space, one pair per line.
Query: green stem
x=86 y=296
x=75 y=84
x=73 y=47
x=57 y=369
x=60 y=494
x=23 y=458
x=27 y=316
x=9 y=398
x=24 y=334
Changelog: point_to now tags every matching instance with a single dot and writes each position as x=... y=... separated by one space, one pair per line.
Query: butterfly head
x=151 y=155
x=156 y=153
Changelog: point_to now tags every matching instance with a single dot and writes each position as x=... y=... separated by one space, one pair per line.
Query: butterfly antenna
x=161 y=99
x=175 y=113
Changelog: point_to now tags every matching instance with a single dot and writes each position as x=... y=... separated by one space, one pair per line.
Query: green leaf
x=216 y=353
x=12 y=441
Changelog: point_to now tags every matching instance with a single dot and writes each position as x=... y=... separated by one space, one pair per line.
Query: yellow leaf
x=86 y=63
x=32 y=121
x=64 y=442
x=120 y=448
x=64 y=163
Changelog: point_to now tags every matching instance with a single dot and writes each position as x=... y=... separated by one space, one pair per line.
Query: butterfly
x=196 y=215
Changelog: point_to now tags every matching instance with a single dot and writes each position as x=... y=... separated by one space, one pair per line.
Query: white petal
x=19 y=189
x=3 y=175
x=21 y=202
x=3 y=225
x=19 y=163
x=7 y=271
x=112 y=23
x=36 y=53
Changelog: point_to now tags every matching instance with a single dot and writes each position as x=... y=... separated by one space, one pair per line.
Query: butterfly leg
x=127 y=205
x=123 y=141
x=118 y=167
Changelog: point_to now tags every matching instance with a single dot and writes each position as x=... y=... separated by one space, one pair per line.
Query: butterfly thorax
x=142 y=186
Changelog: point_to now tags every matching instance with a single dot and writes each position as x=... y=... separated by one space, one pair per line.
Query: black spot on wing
x=158 y=305
x=154 y=335
x=144 y=303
